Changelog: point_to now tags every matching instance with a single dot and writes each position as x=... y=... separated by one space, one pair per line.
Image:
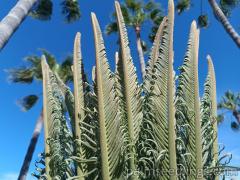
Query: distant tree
x=222 y=11
x=27 y=75
x=231 y=103
x=39 y=9
x=136 y=13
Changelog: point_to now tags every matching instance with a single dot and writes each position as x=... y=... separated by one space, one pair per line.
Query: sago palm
x=116 y=128
x=136 y=13
x=27 y=75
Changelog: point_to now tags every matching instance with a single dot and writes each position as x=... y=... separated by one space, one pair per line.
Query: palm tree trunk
x=140 y=51
x=13 y=19
x=31 y=148
x=226 y=24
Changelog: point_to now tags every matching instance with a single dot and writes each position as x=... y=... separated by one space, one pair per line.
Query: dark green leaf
x=42 y=10
x=133 y=5
x=150 y=5
x=28 y=102
x=228 y=5
x=235 y=126
x=220 y=118
x=154 y=14
x=65 y=70
x=71 y=10
x=111 y=28
x=183 y=5
x=21 y=75
x=203 y=21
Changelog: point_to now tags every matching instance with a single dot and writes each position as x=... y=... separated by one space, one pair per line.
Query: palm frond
x=28 y=102
x=150 y=5
x=21 y=75
x=209 y=123
x=159 y=85
x=131 y=90
x=156 y=44
x=109 y=116
x=65 y=71
x=68 y=100
x=59 y=136
x=46 y=87
x=183 y=5
x=42 y=10
x=71 y=10
x=228 y=5
x=111 y=28
x=188 y=105
x=79 y=99
x=213 y=98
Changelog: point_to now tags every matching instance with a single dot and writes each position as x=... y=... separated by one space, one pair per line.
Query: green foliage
x=70 y=8
x=21 y=75
x=119 y=129
x=203 y=21
x=228 y=5
x=183 y=5
x=43 y=10
x=28 y=102
x=230 y=103
x=32 y=71
x=136 y=13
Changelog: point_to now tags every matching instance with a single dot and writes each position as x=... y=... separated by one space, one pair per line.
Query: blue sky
x=57 y=37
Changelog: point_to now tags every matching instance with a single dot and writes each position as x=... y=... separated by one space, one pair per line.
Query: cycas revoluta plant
x=27 y=75
x=117 y=129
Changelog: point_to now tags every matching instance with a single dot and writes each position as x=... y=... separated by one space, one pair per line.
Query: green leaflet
x=109 y=116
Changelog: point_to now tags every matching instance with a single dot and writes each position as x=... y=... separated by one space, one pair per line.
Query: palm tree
x=40 y=9
x=136 y=13
x=221 y=12
x=26 y=75
x=231 y=103
x=225 y=22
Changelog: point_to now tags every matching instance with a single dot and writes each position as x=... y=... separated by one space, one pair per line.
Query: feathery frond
x=131 y=90
x=209 y=122
x=188 y=107
x=109 y=116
